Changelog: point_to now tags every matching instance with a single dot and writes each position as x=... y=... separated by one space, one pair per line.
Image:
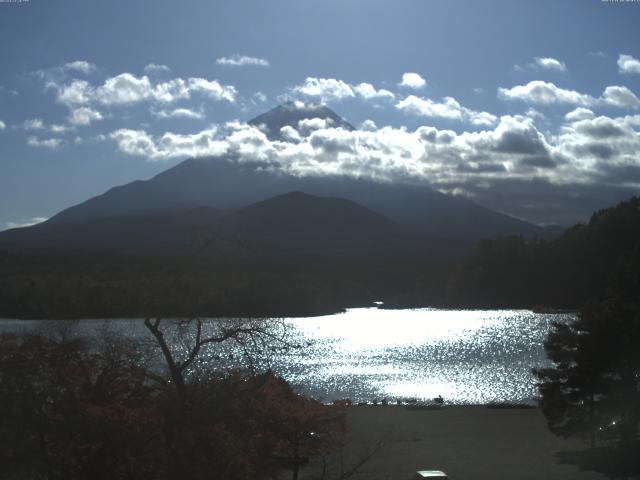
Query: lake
x=366 y=354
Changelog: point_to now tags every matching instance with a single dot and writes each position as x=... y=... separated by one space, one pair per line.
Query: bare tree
x=250 y=335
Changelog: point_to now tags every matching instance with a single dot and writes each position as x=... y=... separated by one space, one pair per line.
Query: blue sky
x=529 y=107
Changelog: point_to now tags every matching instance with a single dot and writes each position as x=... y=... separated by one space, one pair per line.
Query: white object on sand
x=429 y=474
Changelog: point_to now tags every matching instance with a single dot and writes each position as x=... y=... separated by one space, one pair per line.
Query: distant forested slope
x=580 y=265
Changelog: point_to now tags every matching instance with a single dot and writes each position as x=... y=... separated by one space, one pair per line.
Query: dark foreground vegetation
x=229 y=278
x=593 y=389
x=109 y=408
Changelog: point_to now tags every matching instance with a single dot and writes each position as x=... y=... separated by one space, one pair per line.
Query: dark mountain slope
x=229 y=185
x=150 y=234
x=297 y=216
x=294 y=221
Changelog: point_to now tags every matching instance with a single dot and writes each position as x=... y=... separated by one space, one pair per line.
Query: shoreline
x=301 y=315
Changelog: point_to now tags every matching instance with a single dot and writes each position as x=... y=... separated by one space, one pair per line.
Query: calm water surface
x=467 y=356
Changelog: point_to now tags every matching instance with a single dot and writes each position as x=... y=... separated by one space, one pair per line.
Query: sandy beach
x=468 y=443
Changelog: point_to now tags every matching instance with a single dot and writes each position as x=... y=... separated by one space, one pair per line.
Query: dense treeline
x=502 y=272
x=579 y=266
x=112 y=287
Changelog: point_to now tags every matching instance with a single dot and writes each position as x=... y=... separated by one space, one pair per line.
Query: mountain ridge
x=227 y=185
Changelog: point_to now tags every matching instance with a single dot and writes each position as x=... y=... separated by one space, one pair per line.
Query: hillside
x=580 y=265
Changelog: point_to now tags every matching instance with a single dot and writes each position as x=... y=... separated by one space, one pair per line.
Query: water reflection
x=467 y=356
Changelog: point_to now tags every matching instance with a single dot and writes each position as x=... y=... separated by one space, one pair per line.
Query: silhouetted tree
x=593 y=389
x=72 y=410
x=296 y=428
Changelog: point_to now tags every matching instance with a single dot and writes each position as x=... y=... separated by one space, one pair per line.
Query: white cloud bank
x=169 y=145
x=547 y=93
x=538 y=91
x=127 y=88
x=178 y=113
x=587 y=150
x=448 y=108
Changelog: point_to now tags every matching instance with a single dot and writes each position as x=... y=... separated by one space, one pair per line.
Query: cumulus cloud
x=308 y=125
x=548 y=63
x=542 y=63
x=628 y=64
x=156 y=69
x=178 y=113
x=326 y=89
x=169 y=145
x=213 y=89
x=127 y=88
x=242 y=61
x=50 y=143
x=335 y=90
x=84 y=116
x=603 y=151
x=413 y=80
x=448 y=108
x=56 y=128
x=369 y=126
x=80 y=66
x=538 y=91
x=546 y=93
x=75 y=93
x=386 y=153
x=290 y=134
x=33 y=124
x=533 y=114
x=26 y=223
x=2 y=125
x=601 y=128
x=367 y=91
x=579 y=113
x=621 y=97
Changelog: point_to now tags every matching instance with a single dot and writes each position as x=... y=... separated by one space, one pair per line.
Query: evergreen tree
x=593 y=389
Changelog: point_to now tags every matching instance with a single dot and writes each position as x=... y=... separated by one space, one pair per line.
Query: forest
x=503 y=272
